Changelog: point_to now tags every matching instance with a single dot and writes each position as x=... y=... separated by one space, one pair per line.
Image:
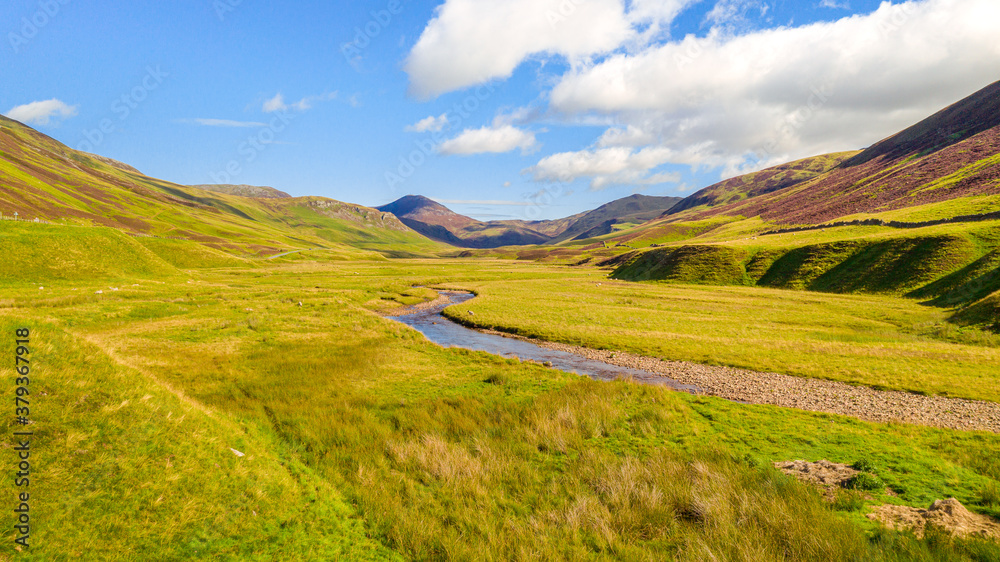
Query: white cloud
x=769 y=96
x=473 y=41
x=434 y=124
x=496 y=139
x=629 y=136
x=845 y=5
x=606 y=167
x=277 y=103
x=735 y=13
x=469 y=42
x=657 y=11
x=224 y=123
x=42 y=112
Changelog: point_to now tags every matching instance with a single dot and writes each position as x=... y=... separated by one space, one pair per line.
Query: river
x=442 y=331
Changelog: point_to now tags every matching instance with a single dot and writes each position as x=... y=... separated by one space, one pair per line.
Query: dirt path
x=805 y=394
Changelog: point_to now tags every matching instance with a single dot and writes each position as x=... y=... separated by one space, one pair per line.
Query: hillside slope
x=763 y=182
x=42 y=178
x=952 y=155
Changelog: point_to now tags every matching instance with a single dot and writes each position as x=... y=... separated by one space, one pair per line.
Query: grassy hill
x=45 y=179
x=948 y=164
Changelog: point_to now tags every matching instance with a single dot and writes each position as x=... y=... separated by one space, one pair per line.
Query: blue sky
x=514 y=109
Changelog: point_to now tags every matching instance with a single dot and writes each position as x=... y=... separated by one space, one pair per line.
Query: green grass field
x=884 y=342
x=364 y=441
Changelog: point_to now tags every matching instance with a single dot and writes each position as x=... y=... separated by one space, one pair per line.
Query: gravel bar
x=814 y=395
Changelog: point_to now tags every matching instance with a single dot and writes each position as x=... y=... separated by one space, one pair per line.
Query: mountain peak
x=423 y=209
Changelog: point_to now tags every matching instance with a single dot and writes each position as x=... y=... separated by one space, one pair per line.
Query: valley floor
x=361 y=440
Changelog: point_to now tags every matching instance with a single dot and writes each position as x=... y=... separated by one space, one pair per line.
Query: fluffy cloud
x=473 y=41
x=629 y=136
x=761 y=98
x=430 y=124
x=496 y=139
x=606 y=167
x=42 y=112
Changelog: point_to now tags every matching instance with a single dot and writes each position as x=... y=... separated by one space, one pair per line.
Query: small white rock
x=237 y=453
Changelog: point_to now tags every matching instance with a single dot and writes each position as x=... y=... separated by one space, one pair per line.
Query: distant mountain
x=42 y=178
x=952 y=156
x=635 y=209
x=437 y=222
x=421 y=209
x=254 y=191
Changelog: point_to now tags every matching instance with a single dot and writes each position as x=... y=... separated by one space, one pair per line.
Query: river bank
x=813 y=395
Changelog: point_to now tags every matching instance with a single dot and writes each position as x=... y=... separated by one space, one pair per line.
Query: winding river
x=442 y=331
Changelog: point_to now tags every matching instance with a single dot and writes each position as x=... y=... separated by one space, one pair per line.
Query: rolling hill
x=44 y=179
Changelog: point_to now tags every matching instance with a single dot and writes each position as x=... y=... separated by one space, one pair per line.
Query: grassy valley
x=215 y=377
x=362 y=440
